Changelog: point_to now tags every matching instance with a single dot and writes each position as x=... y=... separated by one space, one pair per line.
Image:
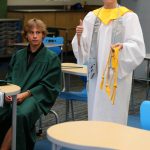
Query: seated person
x=38 y=72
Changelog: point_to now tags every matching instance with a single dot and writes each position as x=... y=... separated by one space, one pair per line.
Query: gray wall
x=142 y=8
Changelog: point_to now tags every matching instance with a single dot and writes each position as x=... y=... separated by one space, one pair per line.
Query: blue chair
x=54 y=40
x=145 y=115
x=70 y=96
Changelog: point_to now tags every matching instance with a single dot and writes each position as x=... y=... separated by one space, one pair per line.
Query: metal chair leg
x=40 y=127
x=69 y=104
x=72 y=111
x=40 y=121
x=67 y=110
x=55 y=115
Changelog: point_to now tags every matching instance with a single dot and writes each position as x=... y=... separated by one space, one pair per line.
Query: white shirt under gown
x=133 y=52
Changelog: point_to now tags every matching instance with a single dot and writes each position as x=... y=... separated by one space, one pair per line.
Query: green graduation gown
x=43 y=79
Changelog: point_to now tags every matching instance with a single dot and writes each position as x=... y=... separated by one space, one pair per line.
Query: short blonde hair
x=35 y=23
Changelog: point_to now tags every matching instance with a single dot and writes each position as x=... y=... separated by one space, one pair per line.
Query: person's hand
x=79 y=30
x=22 y=96
x=119 y=45
x=8 y=99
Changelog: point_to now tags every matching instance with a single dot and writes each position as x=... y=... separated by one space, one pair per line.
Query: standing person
x=110 y=42
x=38 y=72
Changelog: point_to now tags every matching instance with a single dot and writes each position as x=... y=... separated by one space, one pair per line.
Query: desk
x=74 y=69
x=96 y=135
x=71 y=69
x=12 y=90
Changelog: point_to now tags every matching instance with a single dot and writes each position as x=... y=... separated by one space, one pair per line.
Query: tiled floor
x=80 y=108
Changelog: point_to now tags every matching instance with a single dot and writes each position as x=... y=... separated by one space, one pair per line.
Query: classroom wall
x=141 y=7
x=51 y=2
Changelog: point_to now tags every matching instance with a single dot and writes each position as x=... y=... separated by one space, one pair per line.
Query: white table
x=74 y=69
x=12 y=90
x=96 y=135
x=71 y=69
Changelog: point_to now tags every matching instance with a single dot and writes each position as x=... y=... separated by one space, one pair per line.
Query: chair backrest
x=54 y=40
x=145 y=115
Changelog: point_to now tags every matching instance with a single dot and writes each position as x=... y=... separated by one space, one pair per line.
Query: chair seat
x=78 y=96
x=144 y=114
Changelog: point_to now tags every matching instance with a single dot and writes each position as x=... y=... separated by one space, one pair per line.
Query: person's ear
x=26 y=37
x=43 y=36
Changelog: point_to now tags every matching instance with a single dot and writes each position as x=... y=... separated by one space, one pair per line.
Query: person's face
x=35 y=37
x=110 y=2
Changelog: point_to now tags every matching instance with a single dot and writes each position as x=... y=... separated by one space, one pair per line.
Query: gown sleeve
x=133 y=51
x=81 y=52
x=48 y=88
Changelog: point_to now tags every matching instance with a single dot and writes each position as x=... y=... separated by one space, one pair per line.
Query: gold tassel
x=113 y=95
x=108 y=90
x=115 y=54
x=114 y=86
x=112 y=62
x=102 y=83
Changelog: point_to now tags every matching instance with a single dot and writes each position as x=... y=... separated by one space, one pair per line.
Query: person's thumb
x=81 y=22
